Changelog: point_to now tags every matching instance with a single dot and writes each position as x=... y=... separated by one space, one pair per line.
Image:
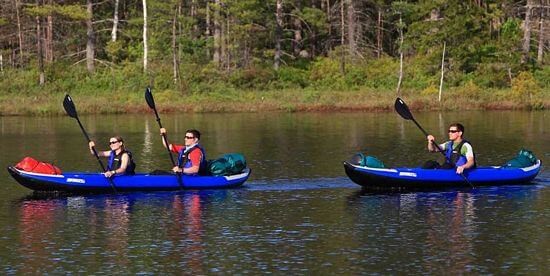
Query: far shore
x=266 y=101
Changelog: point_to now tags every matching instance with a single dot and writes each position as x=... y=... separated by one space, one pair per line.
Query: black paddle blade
x=69 y=106
x=149 y=98
x=403 y=109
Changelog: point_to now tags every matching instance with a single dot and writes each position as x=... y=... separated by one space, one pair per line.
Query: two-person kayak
x=414 y=178
x=82 y=182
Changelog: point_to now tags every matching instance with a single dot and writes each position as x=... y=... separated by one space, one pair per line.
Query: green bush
x=468 y=91
x=325 y=73
x=382 y=73
x=543 y=77
x=290 y=77
x=493 y=75
x=253 y=77
x=430 y=91
x=524 y=87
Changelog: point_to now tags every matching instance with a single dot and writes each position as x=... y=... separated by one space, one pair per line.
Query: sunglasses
x=113 y=142
x=453 y=131
x=189 y=137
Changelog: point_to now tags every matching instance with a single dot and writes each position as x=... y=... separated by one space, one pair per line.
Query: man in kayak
x=191 y=156
x=458 y=151
x=120 y=159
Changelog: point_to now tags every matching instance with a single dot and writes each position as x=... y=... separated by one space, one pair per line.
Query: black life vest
x=115 y=161
x=453 y=156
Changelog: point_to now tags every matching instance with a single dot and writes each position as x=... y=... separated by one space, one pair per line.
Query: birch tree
x=278 y=33
x=542 y=35
x=19 y=32
x=145 y=46
x=352 y=41
x=90 y=35
x=175 y=63
x=217 y=33
x=114 y=31
x=40 y=55
x=526 y=32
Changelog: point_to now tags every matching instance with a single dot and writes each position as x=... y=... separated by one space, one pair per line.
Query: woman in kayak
x=120 y=159
x=458 y=151
x=191 y=155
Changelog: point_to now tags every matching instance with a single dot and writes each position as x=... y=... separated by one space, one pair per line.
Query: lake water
x=298 y=213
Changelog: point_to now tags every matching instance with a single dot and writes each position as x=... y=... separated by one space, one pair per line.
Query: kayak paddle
x=404 y=111
x=70 y=108
x=151 y=103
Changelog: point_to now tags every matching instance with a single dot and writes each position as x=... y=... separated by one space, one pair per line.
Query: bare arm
x=469 y=164
x=99 y=153
x=192 y=170
x=431 y=146
x=163 y=134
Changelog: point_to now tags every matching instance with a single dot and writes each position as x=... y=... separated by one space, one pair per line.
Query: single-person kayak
x=83 y=182
x=414 y=178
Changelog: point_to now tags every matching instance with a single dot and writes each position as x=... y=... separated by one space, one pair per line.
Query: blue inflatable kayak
x=412 y=178
x=78 y=182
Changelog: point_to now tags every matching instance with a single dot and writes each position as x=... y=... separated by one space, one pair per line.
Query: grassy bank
x=318 y=87
x=257 y=101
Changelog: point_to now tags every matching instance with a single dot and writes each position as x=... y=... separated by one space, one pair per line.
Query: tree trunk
x=207 y=27
x=226 y=52
x=352 y=42
x=329 y=20
x=217 y=33
x=115 y=23
x=90 y=44
x=193 y=13
x=400 y=56
x=442 y=70
x=278 y=34
x=342 y=37
x=297 y=25
x=19 y=32
x=145 y=47
x=175 y=62
x=42 y=78
x=542 y=37
x=526 y=32
x=379 y=34
x=49 y=37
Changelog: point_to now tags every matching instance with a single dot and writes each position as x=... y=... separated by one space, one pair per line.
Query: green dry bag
x=524 y=158
x=366 y=161
x=227 y=164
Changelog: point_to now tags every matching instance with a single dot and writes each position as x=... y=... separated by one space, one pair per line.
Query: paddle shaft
x=95 y=154
x=151 y=103
x=165 y=138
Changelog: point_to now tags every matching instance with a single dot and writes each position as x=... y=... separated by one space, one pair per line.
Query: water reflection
x=36 y=221
x=113 y=229
x=298 y=214
x=441 y=232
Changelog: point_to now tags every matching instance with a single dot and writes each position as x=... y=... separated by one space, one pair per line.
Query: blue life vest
x=183 y=159
x=453 y=157
x=115 y=161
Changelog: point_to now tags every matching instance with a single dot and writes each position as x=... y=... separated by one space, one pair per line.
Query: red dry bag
x=29 y=164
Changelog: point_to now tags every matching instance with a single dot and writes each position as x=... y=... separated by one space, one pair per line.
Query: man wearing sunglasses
x=458 y=151
x=120 y=159
x=191 y=155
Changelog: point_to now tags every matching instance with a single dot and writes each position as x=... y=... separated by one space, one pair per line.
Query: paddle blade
x=149 y=98
x=69 y=106
x=403 y=109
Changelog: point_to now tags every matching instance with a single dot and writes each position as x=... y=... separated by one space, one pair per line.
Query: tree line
x=503 y=37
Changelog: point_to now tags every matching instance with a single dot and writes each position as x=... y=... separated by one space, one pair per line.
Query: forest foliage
x=188 y=47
